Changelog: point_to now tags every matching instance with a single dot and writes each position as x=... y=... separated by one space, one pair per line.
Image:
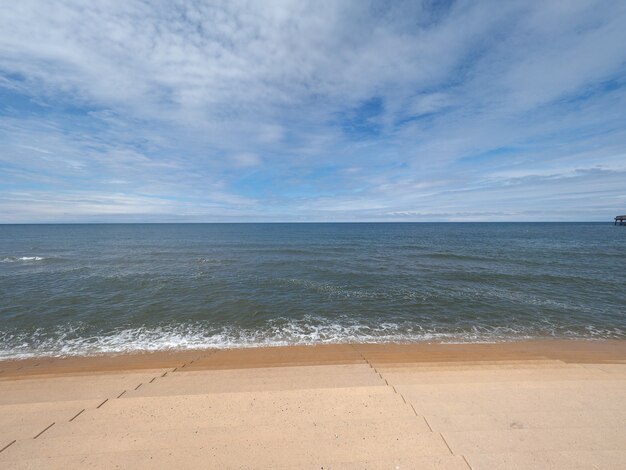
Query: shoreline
x=566 y=350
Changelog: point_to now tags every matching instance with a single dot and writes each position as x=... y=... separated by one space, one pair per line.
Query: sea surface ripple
x=89 y=289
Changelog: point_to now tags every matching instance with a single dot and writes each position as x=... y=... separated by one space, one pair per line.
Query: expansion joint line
x=443 y=438
x=370 y=364
x=48 y=427
x=76 y=415
x=164 y=374
x=425 y=420
x=107 y=399
x=382 y=378
x=8 y=445
x=446 y=442
x=397 y=393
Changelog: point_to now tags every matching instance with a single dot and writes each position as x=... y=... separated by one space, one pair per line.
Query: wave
x=16 y=259
x=76 y=340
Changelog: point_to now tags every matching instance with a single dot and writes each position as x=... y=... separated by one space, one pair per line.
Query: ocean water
x=89 y=289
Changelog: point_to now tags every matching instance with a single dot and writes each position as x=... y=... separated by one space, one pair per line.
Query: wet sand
x=533 y=404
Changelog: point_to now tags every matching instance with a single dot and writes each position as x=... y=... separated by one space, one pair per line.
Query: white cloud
x=244 y=160
x=165 y=102
x=429 y=103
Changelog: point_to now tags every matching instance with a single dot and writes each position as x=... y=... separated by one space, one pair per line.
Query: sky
x=304 y=111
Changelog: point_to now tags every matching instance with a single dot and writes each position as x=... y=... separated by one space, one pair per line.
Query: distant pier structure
x=620 y=220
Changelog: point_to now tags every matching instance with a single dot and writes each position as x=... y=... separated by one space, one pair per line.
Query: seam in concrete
x=369 y=363
x=137 y=387
x=77 y=415
x=152 y=380
x=447 y=445
x=119 y=396
x=466 y=462
x=102 y=403
x=401 y=396
x=164 y=374
x=392 y=386
x=594 y=368
x=7 y=446
x=425 y=420
x=175 y=368
x=43 y=431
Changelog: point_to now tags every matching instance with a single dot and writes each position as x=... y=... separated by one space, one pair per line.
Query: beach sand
x=534 y=404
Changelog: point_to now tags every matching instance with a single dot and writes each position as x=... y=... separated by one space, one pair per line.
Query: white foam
x=75 y=341
x=15 y=259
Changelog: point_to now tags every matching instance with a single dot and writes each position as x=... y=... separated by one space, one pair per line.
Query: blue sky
x=196 y=111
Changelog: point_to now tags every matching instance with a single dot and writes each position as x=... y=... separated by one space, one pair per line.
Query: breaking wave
x=17 y=259
x=76 y=341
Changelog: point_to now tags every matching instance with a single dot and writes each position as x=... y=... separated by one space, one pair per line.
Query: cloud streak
x=209 y=111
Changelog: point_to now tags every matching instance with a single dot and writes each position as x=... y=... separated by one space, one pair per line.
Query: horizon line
x=326 y=222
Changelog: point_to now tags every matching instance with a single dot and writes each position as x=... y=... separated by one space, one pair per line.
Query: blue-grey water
x=85 y=289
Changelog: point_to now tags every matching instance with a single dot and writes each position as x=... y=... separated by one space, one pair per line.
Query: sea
x=114 y=288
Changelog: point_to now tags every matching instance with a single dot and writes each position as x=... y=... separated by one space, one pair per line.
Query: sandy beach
x=534 y=404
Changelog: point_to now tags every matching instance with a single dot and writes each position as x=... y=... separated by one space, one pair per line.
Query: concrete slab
x=571 y=460
x=518 y=398
x=279 y=357
x=246 y=409
x=605 y=389
x=505 y=420
x=192 y=459
x=100 y=364
x=566 y=405
x=503 y=406
x=449 y=462
x=474 y=365
x=536 y=440
x=247 y=451
x=25 y=421
x=617 y=369
x=186 y=383
x=48 y=389
x=303 y=429
x=291 y=371
x=490 y=376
